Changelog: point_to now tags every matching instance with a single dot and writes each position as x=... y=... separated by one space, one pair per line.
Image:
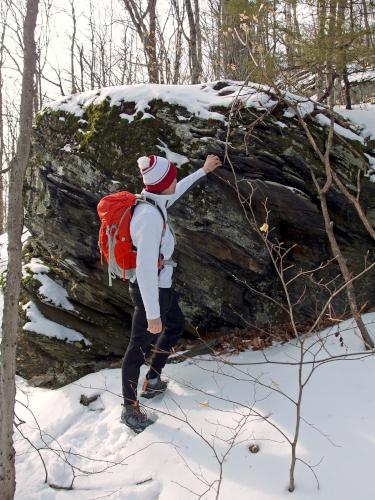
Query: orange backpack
x=115 y=212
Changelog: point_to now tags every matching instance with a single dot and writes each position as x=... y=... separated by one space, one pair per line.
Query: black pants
x=142 y=341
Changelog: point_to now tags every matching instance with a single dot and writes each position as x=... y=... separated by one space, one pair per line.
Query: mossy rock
x=224 y=272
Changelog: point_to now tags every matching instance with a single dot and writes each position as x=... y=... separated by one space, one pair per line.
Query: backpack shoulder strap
x=152 y=202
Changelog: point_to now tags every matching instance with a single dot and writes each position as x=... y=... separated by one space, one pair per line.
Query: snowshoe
x=153 y=387
x=135 y=418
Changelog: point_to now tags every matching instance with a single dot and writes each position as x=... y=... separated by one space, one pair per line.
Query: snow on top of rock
x=171 y=155
x=362 y=76
x=52 y=291
x=362 y=115
x=200 y=99
x=344 y=132
x=197 y=99
x=39 y=324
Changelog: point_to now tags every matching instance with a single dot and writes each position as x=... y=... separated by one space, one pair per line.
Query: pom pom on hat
x=143 y=162
x=158 y=173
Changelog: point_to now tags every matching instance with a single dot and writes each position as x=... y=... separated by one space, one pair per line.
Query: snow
x=126 y=116
x=4 y=261
x=193 y=97
x=171 y=155
x=210 y=397
x=344 y=132
x=197 y=99
x=50 y=290
x=363 y=115
x=52 y=293
x=291 y=188
x=362 y=76
x=43 y=326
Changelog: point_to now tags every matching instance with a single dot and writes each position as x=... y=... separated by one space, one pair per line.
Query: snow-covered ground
x=174 y=458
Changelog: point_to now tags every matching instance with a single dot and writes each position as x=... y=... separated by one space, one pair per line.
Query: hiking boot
x=135 y=417
x=152 y=387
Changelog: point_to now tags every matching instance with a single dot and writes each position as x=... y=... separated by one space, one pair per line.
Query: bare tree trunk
x=322 y=18
x=153 y=66
x=3 y=28
x=289 y=41
x=178 y=43
x=92 y=51
x=342 y=65
x=193 y=55
x=72 y=45
x=369 y=29
x=348 y=99
x=147 y=36
x=199 y=36
x=14 y=271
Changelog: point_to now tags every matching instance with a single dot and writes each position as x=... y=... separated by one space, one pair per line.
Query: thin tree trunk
x=193 y=54
x=322 y=17
x=14 y=271
x=199 y=37
x=369 y=30
x=178 y=43
x=348 y=99
x=153 y=66
x=73 y=43
x=147 y=36
x=2 y=220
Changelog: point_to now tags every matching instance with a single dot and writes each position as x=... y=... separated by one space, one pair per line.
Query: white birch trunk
x=14 y=273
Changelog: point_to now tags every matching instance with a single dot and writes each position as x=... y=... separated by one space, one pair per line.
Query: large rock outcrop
x=86 y=146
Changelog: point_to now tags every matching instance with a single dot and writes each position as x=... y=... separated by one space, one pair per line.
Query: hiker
x=158 y=321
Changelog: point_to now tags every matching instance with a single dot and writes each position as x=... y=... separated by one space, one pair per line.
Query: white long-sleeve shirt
x=146 y=228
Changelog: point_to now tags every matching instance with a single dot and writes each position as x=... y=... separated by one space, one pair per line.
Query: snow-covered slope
x=174 y=458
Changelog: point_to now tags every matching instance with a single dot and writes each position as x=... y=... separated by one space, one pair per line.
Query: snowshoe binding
x=153 y=387
x=135 y=418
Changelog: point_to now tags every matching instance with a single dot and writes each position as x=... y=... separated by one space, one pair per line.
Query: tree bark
x=2 y=220
x=14 y=271
x=147 y=36
x=193 y=48
x=72 y=46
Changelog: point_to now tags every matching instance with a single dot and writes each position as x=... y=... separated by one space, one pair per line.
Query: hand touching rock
x=212 y=162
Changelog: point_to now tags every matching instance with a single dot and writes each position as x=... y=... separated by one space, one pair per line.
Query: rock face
x=86 y=146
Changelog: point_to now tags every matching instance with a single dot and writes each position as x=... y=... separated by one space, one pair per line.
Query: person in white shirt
x=158 y=321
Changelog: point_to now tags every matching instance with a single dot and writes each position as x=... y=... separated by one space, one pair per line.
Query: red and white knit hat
x=158 y=173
